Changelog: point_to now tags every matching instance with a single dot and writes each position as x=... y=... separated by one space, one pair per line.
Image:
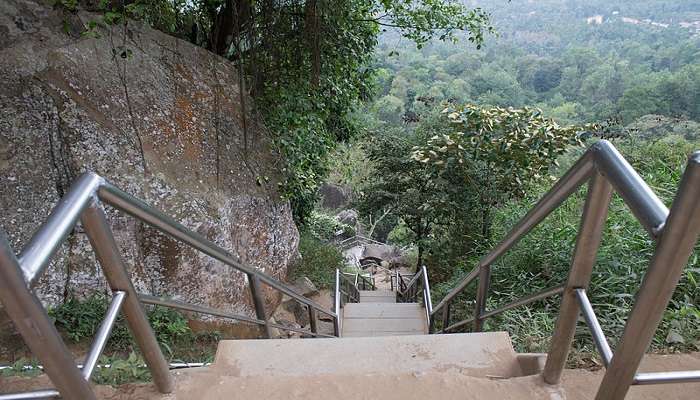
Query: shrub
x=325 y=227
x=318 y=261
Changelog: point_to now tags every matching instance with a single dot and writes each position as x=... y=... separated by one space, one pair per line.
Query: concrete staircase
x=385 y=352
x=384 y=367
x=378 y=314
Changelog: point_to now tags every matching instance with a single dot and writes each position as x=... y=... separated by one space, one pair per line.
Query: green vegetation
x=320 y=258
x=78 y=321
x=468 y=175
x=543 y=258
x=548 y=56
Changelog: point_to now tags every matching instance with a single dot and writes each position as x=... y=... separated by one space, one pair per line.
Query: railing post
x=97 y=228
x=595 y=212
x=336 y=305
x=312 y=320
x=674 y=247
x=256 y=293
x=446 y=316
x=482 y=296
x=37 y=329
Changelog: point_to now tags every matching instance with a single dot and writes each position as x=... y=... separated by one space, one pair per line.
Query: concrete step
x=381 y=327
x=383 y=310
x=379 y=293
x=383 y=319
x=377 y=296
x=474 y=354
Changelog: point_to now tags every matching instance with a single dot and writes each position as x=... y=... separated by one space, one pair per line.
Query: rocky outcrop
x=334 y=197
x=163 y=120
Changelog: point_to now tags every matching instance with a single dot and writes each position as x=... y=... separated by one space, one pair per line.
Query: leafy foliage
x=79 y=319
x=318 y=262
x=542 y=259
x=516 y=146
x=325 y=227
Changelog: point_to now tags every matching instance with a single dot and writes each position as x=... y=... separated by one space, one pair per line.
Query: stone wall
x=161 y=119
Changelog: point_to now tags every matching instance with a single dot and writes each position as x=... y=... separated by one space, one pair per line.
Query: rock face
x=334 y=197
x=161 y=119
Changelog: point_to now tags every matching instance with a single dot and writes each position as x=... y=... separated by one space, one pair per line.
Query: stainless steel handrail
x=410 y=294
x=676 y=231
x=84 y=202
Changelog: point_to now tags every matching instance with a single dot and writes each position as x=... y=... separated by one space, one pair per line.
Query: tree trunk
x=312 y=39
x=222 y=31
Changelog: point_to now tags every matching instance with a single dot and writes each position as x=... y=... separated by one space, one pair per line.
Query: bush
x=318 y=261
x=325 y=227
x=79 y=319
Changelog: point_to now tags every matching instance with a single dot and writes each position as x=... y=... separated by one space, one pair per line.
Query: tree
x=406 y=189
x=390 y=108
x=499 y=149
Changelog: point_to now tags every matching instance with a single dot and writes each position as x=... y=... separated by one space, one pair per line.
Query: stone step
x=475 y=354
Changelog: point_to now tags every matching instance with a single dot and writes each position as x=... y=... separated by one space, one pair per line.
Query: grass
x=543 y=257
x=78 y=321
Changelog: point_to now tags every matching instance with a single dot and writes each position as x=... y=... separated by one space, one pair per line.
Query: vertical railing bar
x=336 y=305
x=673 y=249
x=312 y=320
x=595 y=212
x=259 y=304
x=97 y=228
x=446 y=316
x=102 y=335
x=482 y=296
x=37 y=329
x=596 y=331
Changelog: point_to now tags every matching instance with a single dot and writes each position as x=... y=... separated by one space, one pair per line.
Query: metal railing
x=346 y=291
x=675 y=231
x=357 y=240
x=84 y=203
x=362 y=282
x=411 y=292
x=398 y=280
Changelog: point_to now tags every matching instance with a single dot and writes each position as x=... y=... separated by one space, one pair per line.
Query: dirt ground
x=576 y=385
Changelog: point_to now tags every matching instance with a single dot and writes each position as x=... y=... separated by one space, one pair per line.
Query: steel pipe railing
x=410 y=294
x=601 y=343
x=84 y=202
x=676 y=231
x=103 y=333
x=142 y=211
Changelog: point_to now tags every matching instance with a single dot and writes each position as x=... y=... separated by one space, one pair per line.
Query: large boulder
x=334 y=197
x=160 y=118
